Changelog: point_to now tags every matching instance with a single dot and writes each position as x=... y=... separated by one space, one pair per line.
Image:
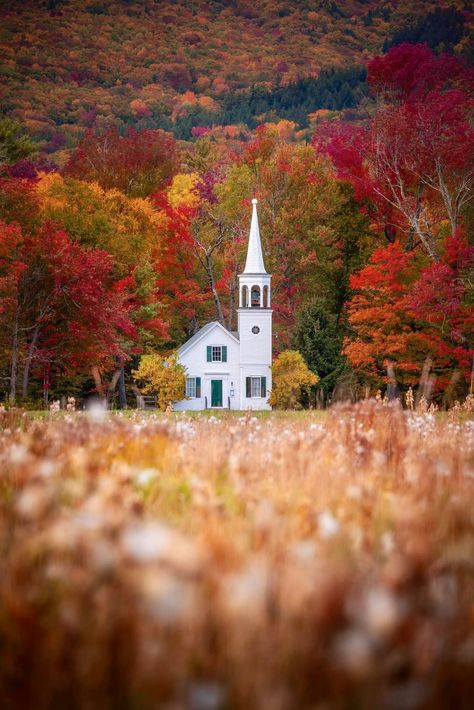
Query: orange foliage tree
x=405 y=310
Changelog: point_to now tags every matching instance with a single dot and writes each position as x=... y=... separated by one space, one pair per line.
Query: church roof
x=202 y=332
x=254 y=263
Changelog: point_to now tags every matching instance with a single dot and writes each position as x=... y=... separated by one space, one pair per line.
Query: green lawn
x=301 y=415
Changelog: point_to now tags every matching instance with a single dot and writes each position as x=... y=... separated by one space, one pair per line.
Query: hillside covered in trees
x=69 y=65
x=133 y=135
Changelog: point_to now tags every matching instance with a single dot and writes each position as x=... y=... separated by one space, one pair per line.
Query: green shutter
x=247 y=387
x=224 y=353
x=263 y=386
x=209 y=353
x=198 y=386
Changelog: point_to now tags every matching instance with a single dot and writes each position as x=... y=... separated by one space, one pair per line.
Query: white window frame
x=216 y=353
x=191 y=387
x=253 y=380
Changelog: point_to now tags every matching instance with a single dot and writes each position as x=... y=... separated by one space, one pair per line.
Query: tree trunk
x=29 y=360
x=233 y=289
x=410 y=243
x=45 y=394
x=122 y=391
x=14 y=363
x=430 y=248
x=98 y=381
x=112 y=386
x=118 y=378
x=231 y=308
x=217 y=301
x=193 y=327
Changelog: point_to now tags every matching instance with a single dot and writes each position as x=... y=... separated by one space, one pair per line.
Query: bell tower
x=255 y=324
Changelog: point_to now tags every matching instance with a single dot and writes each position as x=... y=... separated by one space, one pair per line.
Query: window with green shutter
x=255 y=387
x=217 y=353
x=193 y=387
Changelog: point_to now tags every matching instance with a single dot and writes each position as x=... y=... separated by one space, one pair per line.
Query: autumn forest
x=236 y=354
x=133 y=135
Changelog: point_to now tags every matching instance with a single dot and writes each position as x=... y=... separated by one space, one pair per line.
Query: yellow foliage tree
x=163 y=377
x=182 y=190
x=291 y=377
x=127 y=227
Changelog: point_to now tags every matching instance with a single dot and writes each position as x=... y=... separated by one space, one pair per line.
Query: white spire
x=254 y=263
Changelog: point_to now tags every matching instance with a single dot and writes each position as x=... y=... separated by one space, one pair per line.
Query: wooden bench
x=146 y=402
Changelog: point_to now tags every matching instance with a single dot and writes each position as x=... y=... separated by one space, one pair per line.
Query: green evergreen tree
x=14 y=145
x=319 y=339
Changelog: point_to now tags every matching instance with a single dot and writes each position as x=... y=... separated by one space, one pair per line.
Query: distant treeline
x=334 y=89
x=441 y=29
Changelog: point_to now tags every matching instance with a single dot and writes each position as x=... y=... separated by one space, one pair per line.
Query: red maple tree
x=412 y=165
x=60 y=307
x=405 y=310
x=136 y=163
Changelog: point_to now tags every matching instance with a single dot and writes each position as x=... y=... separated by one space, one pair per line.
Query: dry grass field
x=238 y=562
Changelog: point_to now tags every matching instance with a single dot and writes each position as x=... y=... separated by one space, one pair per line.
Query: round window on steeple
x=255 y=330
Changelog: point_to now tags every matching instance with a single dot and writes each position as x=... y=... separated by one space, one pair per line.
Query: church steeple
x=254 y=281
x=255 y=324
x=254 y=263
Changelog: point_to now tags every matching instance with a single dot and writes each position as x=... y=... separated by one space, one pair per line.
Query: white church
x=232 y=370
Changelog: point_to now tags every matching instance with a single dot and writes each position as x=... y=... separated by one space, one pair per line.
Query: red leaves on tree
x=69 y=312
x=379 y=315
x=404 y=314
x=89 y=312
x=18 y=201
x=412 y=71
x=347 y=145
x=137 y=163
x=261 y=147
x=443 y=299
x=177 y=285
x=412 y=165
x=11 y=266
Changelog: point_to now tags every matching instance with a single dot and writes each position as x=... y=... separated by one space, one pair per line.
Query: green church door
x=216 y=393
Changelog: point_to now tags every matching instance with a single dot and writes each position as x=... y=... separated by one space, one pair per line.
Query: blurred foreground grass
x=274 y=562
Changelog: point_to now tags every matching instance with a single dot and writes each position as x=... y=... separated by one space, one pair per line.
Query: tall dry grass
x=210 y=563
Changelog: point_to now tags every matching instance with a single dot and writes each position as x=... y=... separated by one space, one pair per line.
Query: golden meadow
x=276 y=562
